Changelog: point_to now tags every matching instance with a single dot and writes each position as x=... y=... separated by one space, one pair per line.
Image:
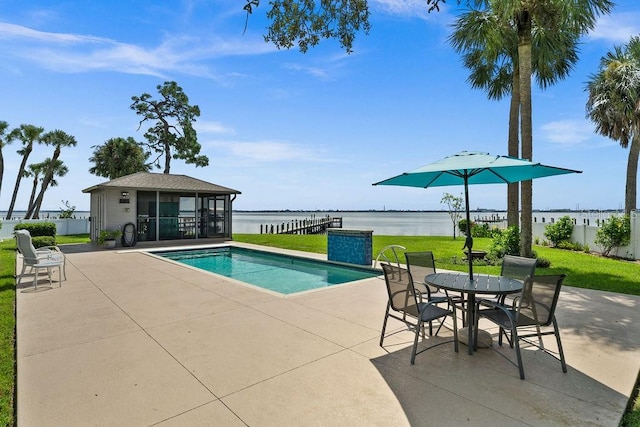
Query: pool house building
x=161 y=207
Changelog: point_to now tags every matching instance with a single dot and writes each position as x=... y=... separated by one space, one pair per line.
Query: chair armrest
x=49 y=249
x=489 y=303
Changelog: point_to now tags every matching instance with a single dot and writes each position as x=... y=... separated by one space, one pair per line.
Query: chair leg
x=516 y=341
x=560 y=351
x=384 y=324
x=455 y=329
x=24 y=268
x=415 y=341
x=35 y=278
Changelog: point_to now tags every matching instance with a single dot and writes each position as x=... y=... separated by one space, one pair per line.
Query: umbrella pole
x=471 y=297
x=469 y=240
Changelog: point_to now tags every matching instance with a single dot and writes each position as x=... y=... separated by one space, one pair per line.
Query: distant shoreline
x=414 y=210
x=479 y=210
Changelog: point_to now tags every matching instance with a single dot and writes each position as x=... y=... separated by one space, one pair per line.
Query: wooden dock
x=303 y=226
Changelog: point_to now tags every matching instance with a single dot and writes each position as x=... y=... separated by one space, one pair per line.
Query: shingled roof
x=162 y=182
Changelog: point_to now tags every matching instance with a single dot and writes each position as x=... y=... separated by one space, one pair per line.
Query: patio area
x=130 y=339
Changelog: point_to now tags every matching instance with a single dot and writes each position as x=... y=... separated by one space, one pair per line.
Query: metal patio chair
x=420 y=264
x=532 y=312
x=46 y=258
x=517 y=267
x=404 y=304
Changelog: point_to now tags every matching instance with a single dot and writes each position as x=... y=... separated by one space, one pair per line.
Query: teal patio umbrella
x=468 y=168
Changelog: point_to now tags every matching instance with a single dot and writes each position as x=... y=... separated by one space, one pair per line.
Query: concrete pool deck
x=130 y=339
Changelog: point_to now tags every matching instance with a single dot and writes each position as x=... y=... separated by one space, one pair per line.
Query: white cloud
x=11 y=31
x=416 y=9
x=314 y=71
x=617 y=28
x=408 y=8
x=73 y=53
x=268 y=151
x=567 y=132
x=213 y=127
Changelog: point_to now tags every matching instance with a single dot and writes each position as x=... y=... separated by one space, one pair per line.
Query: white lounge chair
x=37 y=259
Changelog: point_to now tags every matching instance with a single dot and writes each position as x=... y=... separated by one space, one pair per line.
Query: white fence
x=586 y=235
x=64 y=227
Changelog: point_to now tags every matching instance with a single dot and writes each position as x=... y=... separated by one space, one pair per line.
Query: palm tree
x=58 y=139
x=3 y=141
x=58 y=169
x=489 y=49
x=614 y=106
x=34 y=171
x=118 y=157
x=28 y=135
x=575 y=18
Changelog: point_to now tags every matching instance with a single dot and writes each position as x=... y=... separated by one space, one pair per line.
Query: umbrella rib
x=499 y=176
x=433 y=179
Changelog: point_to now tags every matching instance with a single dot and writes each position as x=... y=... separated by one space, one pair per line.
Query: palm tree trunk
x=526 y=130
x=43 y=188
x=34 y=210
x=1 y=168
x=632 y=175
x=513 y=190
x=32 y=198
x=23 y=165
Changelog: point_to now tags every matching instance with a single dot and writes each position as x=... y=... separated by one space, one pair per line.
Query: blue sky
x=292 y=130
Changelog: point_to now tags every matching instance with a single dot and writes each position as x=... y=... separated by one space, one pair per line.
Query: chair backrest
x=25 y=246
x=539 y=299
x=419 y=265
x=402 y=295
x=517 y=267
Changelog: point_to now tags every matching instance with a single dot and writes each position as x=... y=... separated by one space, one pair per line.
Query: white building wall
x=119 y=213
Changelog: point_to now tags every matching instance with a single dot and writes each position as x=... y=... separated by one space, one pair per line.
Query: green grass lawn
x=583 y=271
x=7 y=331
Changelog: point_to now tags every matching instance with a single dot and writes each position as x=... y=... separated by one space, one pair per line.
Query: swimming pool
x=279 y=273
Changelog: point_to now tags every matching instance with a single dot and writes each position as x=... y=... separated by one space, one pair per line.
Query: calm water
x=394 y=223
x=381 y=223
x=279 y=273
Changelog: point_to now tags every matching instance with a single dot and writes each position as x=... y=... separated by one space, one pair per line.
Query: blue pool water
x=279 y=273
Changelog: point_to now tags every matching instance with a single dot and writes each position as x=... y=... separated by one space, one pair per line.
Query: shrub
x=42 y=241
x=570 y=246
x=462 y=226
x=67 y=210
x=481 y=230
x=38 y=228
x=615 y=232
x=543 y=263
x=559 y=231
x=108 y=235
x=506 y=242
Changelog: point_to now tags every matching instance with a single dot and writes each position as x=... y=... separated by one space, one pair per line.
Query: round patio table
x=483 y=284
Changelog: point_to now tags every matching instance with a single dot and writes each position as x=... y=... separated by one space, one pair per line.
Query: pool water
x=279 y=273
